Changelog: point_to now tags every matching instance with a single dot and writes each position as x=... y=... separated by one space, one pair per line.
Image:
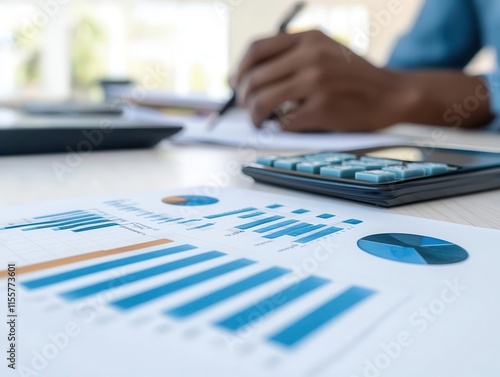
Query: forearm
x=445 y=98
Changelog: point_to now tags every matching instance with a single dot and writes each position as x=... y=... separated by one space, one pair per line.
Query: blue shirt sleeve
x=445 y=35
x=493 y=82
x=448 y=34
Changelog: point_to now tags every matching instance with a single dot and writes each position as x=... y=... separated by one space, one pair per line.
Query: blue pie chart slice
x=412 y=248
x=190 y=200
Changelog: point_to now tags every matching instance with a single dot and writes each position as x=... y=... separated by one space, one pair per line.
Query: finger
x=308 y=118
x=232 y=82
x=265 y=49
x=264 y=101
x=270 y=72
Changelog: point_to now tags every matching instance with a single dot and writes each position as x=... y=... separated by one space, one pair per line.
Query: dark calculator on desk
x=384 y=176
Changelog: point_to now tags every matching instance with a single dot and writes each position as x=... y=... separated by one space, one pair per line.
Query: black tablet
x=28 y=134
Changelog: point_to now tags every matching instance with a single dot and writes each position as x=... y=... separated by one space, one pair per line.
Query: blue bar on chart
x=251 y=215
x=353 y=221
x=58 y=214
x=131 y=302
x=275 y=206
x=130 y=209
x=328 y=312
x=305 y=230
x=172 y=220
x=300 y=211
x=140 y=275
x=155 y=216
x=205 y=226
x=82 y=223
x=325 y=216
x=189 y=221
x=276 y=226
x=286 y=232
x=253 y=224
x=271 y=303
x=61 y=220
x=62 y=223
x=104 y=266
x=55 y=224
x=95 y=227
x=145 y=213
x=237 y=212
x=226 y=293
x=320 y=234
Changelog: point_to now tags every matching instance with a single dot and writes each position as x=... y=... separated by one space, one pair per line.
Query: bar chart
x=277 y=222
x=213 y=279
x=69 y=233
x=115 y=223
x=271 y=221
x=291 y=335
x=75 y=221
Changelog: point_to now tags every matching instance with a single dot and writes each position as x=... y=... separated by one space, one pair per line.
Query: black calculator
x=383 y=176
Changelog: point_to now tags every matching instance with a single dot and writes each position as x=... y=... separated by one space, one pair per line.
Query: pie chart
x=412 y=248
x=190 y=200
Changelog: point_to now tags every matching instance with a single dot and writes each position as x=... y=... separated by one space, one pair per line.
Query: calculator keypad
x=350 y=166
x=343 y=171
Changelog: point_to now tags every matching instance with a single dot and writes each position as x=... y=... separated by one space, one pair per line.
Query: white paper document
x=235 y=128
x=228 y=283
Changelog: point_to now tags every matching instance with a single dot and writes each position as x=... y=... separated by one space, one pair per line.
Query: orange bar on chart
x=85 y=257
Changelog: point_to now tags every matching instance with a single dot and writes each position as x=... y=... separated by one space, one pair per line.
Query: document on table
x=235 y=128
x=195 y=282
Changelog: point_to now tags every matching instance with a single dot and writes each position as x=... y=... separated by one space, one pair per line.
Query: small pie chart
x=412 y=248
x=190 y=200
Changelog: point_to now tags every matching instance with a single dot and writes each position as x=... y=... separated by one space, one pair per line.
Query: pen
x=214 y=118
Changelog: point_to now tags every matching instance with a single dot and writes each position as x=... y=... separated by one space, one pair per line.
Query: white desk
x=28 y=179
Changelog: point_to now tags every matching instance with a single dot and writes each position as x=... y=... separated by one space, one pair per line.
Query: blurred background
x=60 y=49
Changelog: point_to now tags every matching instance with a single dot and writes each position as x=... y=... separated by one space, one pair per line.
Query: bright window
x=347 y=24
x=61 y=48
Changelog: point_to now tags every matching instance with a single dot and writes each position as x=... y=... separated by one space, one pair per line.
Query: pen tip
x=212 y=121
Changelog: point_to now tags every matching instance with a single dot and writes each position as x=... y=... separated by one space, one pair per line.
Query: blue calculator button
x=404 y=172
x=267 y=160
x=312 y=167
x=431 y=168
x=342 y=171
x=375 y=176
x=288 y=163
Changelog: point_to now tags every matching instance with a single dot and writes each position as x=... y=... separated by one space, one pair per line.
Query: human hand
x=335 y=89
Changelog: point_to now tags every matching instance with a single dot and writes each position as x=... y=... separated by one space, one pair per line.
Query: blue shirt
x=448 y=34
